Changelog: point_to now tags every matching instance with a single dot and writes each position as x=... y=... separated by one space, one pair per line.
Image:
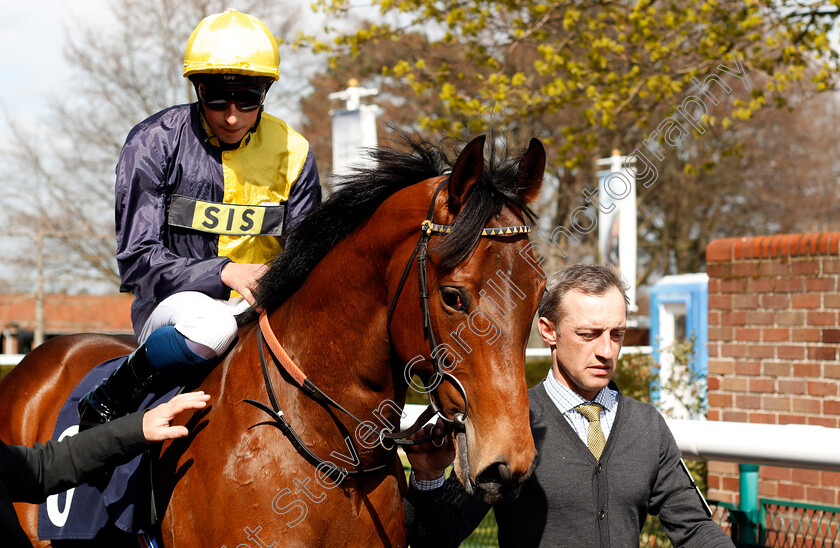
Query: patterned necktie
x=594 y=437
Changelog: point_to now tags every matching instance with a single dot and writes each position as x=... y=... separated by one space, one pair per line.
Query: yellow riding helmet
x=232 y=43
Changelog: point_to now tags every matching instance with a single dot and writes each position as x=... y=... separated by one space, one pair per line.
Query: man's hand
x=242 y=278
x=156 y=421
x=429 y=460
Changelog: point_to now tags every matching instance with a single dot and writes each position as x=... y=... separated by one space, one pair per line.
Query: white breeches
x=203 y=320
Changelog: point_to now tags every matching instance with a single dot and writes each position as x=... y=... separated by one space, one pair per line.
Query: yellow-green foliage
x=583 y=69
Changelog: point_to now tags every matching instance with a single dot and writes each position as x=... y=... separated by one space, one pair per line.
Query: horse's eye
x=454 y=298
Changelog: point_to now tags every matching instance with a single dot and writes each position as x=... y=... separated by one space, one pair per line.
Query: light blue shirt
x=566 y=400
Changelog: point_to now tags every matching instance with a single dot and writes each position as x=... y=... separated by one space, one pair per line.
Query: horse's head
x=357 y=259
x=482 y=296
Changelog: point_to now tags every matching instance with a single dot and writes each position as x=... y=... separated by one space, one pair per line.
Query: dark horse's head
x=482 y=289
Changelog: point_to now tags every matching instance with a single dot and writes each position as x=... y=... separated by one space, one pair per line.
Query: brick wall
x=69 y=313
x=773 y=349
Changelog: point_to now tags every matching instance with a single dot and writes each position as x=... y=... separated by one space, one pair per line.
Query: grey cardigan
x=574 y=500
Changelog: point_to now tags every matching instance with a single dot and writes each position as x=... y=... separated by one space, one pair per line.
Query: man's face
x=587 y=340
x=223 y=110
x=231 y=124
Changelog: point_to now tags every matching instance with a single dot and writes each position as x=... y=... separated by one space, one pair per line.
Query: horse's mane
x=364 y=189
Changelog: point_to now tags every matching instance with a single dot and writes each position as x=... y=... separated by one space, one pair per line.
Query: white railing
x=794 y=445
x=10 y=359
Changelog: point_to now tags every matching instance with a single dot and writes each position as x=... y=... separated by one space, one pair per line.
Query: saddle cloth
x=82 y=512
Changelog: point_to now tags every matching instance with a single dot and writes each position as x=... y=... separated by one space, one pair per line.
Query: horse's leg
x=32 y=393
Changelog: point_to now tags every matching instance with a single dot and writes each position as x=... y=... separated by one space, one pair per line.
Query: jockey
x=203 y=193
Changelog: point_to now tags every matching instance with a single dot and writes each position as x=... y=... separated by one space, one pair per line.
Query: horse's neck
x=334 y=326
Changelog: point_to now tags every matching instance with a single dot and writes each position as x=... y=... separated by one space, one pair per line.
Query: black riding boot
x=119 y=394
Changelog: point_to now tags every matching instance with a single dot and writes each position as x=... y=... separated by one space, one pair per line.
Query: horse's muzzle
x=497 y=483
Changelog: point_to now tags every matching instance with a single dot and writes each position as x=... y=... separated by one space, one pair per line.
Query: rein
x=265 y=336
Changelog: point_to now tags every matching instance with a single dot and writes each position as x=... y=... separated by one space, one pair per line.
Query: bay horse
x=417 y=239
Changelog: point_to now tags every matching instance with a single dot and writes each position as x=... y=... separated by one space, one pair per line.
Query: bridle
x=441 y=374
x=266 y=337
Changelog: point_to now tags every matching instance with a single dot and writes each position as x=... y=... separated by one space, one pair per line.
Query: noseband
x=265 y=336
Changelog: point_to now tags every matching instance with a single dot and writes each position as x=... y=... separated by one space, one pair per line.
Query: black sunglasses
x=245 y=99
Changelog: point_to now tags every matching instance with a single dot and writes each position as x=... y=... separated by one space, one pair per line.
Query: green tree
x=590 y=77
x=598 y=68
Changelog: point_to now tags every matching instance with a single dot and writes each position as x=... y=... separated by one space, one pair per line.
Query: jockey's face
x=231 y=124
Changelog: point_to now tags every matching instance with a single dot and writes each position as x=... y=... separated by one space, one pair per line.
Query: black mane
x=362 y=191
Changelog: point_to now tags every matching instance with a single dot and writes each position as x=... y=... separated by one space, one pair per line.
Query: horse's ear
x=466 y=173
x=531 y=170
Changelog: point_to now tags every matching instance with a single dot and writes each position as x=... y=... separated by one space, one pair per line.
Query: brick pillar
x=773 y=349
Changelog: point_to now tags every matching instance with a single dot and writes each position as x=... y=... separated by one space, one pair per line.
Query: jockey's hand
x=156 y=421
x=242 y=278
x=429 y=460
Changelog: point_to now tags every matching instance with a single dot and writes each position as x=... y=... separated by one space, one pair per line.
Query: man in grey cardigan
x=594 y=483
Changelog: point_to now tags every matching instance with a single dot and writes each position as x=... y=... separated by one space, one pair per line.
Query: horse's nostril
x=498 y=482
x=498 y=472
x=505 y=473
